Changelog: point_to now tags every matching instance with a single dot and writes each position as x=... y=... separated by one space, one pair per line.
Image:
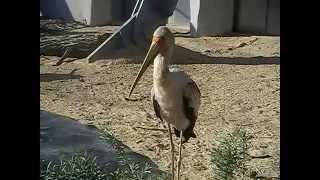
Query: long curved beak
x=152 y=53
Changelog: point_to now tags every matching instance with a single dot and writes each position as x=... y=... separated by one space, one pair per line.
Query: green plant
x=135 y=171
x=130 y=170
x=81 y=166
x=230 y=154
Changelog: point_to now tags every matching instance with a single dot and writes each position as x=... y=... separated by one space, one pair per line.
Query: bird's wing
x=191 y=92
x=155 y=104
x=191 y=96
x=191 y=104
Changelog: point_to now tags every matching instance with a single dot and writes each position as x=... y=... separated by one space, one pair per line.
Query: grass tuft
x=230 y=154
x=83 y=166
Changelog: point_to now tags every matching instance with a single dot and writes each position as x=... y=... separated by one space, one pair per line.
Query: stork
x=175 y=96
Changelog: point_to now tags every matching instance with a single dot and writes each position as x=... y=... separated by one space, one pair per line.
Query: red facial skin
x=161 y=43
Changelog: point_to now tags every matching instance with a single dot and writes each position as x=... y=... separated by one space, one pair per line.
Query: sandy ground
x=239 y=78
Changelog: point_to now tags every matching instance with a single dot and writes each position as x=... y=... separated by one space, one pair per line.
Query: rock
x=62 y=137
x=258 y=154
x=206 y=51
x=263 y=145
x=241 y=44
x=248 y=42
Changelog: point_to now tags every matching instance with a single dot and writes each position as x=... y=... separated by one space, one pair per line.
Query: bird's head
x=163 y=44
x=164 y=39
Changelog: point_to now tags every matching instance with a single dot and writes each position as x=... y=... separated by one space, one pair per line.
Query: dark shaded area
x=262 y=17
x=84 y=43
x=182 y=34
x=59 y=24
x=232 y=34
x=49 y=9
x=55 y=32
x=61 y=137
x=183 y=55
x=128 y=6
x=244 y=34
x=165 y=8
x=137 y=30
x=56 y=35
x=48 y=77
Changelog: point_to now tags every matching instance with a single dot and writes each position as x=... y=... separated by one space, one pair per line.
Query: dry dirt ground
x=239 y=78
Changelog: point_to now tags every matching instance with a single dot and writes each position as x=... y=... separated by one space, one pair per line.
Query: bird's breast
x=167 y=94
x=169 y=99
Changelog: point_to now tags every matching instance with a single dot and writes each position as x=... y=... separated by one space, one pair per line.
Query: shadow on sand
x=48 y=77
x=61 y=137
x=183 y=55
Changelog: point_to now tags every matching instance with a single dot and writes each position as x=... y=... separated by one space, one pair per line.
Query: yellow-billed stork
x=175 y=96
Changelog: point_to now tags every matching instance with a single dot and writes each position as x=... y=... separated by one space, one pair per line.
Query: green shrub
x=81 y=166
x=230 y=154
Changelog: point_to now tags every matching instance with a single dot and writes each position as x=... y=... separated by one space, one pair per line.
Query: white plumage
x=175 y=96
x=169 y=96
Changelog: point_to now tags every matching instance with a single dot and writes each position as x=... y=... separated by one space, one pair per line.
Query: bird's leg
x=179 y=158
x=172 y=152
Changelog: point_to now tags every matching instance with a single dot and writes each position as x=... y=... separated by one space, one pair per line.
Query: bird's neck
x=160 y=70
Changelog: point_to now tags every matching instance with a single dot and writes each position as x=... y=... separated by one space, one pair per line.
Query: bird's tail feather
x=186 y=135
